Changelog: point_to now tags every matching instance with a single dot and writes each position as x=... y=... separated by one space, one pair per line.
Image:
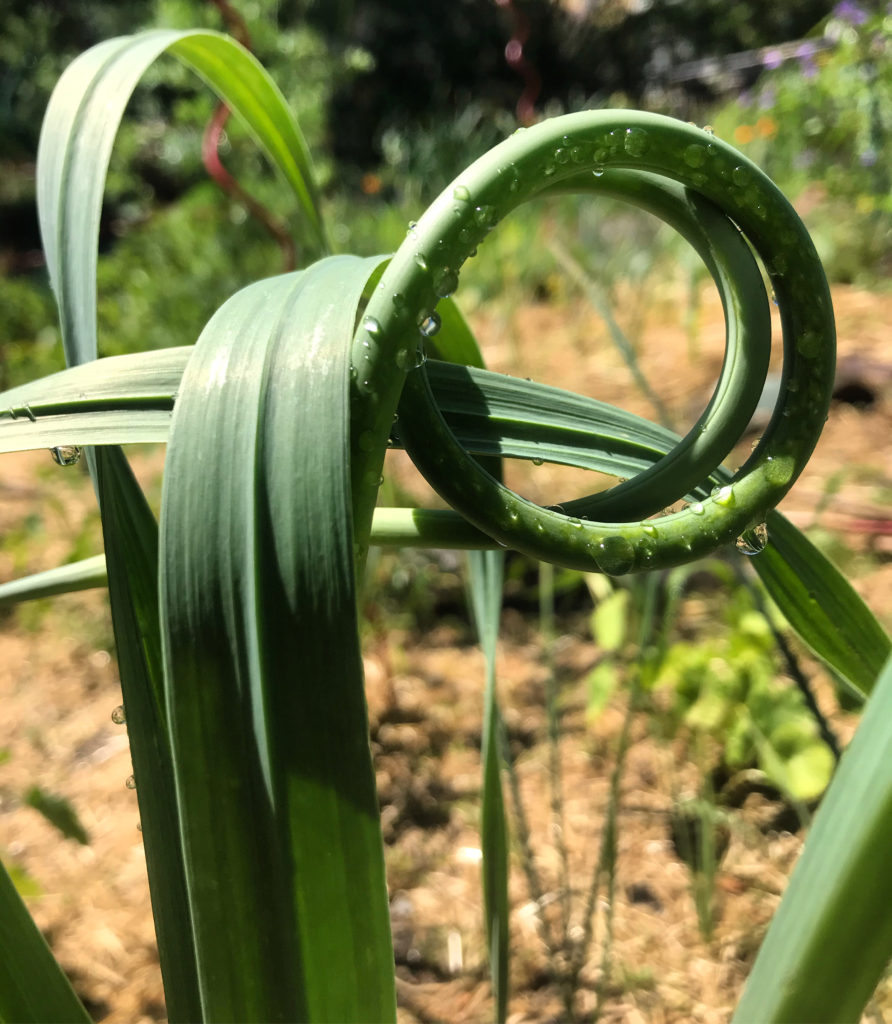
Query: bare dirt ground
x=58 y=687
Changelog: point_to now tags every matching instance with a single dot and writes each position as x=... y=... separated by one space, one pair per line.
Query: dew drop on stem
x=430 y=325
x=130 y=782
x=118 y=716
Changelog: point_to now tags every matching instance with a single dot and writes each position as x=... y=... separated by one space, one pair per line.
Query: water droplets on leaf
x=485 y=216
x=695 y=155
x=779 y=469
x=420 y=260
x=66 y=454
x=537 y=461
x=445 y=282
x=636 y=141
x=752 y=542
x=461 y=193
x=615 y=556
x=366 y=441
x=562 y=155
x=430 y=324
x=724 y=496
x=130 y=782
x=370 y=324
x=118 y=716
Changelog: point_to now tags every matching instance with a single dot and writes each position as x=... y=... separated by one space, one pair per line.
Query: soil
x=58 y=688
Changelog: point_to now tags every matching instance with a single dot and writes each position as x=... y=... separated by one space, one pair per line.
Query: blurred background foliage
x=395 y=99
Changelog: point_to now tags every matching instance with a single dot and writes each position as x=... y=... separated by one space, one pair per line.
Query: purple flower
x=805 y=51
x=850 y=12
x=772 y=59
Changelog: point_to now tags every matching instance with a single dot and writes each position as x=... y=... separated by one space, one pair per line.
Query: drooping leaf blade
x=265 y=688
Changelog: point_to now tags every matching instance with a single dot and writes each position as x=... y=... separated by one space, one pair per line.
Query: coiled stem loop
x=711 y=194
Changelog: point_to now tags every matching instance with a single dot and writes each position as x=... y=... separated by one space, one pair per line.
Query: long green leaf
x=33 y=988
x=278 y=807
x=831 y=938
x=821 y=605
x=76 y=140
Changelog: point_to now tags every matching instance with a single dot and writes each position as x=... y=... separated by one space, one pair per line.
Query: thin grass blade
x=486 y=570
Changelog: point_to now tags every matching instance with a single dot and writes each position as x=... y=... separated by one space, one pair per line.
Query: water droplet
x=12 y=413
x=709 y=129
x=779 y=469
x=130 y=783
x=420 y=260
x=373 y=479
x=741 y=176
x=445 y=282
x=697 y=508
x=615 y=556
x=430 y=325
x=577 y=154
x=753 y=541
x=724 y=496
x=537 y=462
x=366 y=441
x=598 y=171
x=635 y=142
x=118 y=716
x=562 y=155
x=485 y=216
x=461 y=193
x=548 y=170
x=413 y=224
x=371 y=325
x=399 y=300
x=649 y=529
x=66 y=454
x=575 y=522
x=28 y=413
x=419 y=357
x=695 y=156
x=808 y=344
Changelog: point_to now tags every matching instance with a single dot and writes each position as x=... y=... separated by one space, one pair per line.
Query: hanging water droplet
x=697 y=508
x=28 y=413
x=420 y=261
x=139 y=826
x=371 y=325
x=66 y=455
x=118 y=716
x=413 y=224
x=752 y=542
x=615 y=556
x=598 y=170
x=561 y=155
x=445 y=282
x=537 y=461
x=461 y=193
x=430 y=324
x=575 y=522
x=709 y=129
x=636 y=141
x=130 y=782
